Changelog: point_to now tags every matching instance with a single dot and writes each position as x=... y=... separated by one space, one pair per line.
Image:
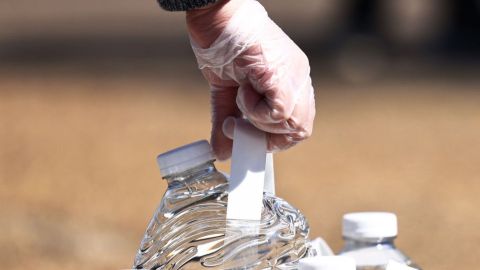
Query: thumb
x=223 y=106
x=229 y=127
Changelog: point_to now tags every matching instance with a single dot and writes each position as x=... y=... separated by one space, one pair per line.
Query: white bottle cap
x=185 y=157
x=327 y=263
x=369 y=225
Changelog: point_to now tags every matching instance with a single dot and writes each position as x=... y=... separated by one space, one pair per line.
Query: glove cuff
x=184 y=5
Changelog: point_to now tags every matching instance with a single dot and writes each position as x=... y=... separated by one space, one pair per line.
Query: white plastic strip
x=320 y=247
x=247 y=175
x=269 y=186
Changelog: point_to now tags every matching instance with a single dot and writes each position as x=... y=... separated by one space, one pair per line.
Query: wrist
x=184 y=5
x=207 y=23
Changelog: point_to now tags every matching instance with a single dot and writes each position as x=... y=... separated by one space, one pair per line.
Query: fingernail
x=228 y=127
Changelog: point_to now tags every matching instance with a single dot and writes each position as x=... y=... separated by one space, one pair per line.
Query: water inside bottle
x=377 y=257
x=190 y=231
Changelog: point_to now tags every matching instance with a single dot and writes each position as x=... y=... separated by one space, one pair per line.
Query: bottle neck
x=193 y=173
x=352 y=243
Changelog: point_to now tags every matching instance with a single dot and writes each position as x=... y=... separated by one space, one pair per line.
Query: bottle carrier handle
x=251 y=172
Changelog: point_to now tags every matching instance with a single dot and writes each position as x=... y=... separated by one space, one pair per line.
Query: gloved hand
x=254 y=70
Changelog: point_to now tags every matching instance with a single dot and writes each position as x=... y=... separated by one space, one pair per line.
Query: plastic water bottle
x=189 y=229
x=369 y=239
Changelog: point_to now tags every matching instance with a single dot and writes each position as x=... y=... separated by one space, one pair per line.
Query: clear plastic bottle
x=369 y=239
x=189 y=229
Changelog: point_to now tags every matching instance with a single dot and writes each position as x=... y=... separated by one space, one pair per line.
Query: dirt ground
x=79 y=180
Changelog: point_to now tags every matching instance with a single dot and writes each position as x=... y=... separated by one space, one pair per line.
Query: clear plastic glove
x=254 y=70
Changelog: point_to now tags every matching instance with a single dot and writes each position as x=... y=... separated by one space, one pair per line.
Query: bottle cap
x=369 y=225
x=327 y=263
x=185 y=157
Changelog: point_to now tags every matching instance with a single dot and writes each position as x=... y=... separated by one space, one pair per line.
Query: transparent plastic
x=374 y=253
x=189 y=229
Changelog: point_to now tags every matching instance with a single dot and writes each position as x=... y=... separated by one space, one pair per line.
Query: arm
x=184 y=5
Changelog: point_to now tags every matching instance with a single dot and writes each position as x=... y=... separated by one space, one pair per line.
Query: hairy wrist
x=207 y=23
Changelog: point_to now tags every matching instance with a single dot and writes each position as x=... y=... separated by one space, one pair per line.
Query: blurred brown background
x=91 y=92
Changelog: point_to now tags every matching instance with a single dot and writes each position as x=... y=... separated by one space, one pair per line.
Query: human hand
x=254 y=69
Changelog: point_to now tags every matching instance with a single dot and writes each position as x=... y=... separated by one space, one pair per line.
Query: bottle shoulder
x=200 y=222
x=376 y=255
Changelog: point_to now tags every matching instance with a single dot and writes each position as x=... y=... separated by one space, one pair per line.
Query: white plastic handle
x=269 y=186
x=248 y=175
